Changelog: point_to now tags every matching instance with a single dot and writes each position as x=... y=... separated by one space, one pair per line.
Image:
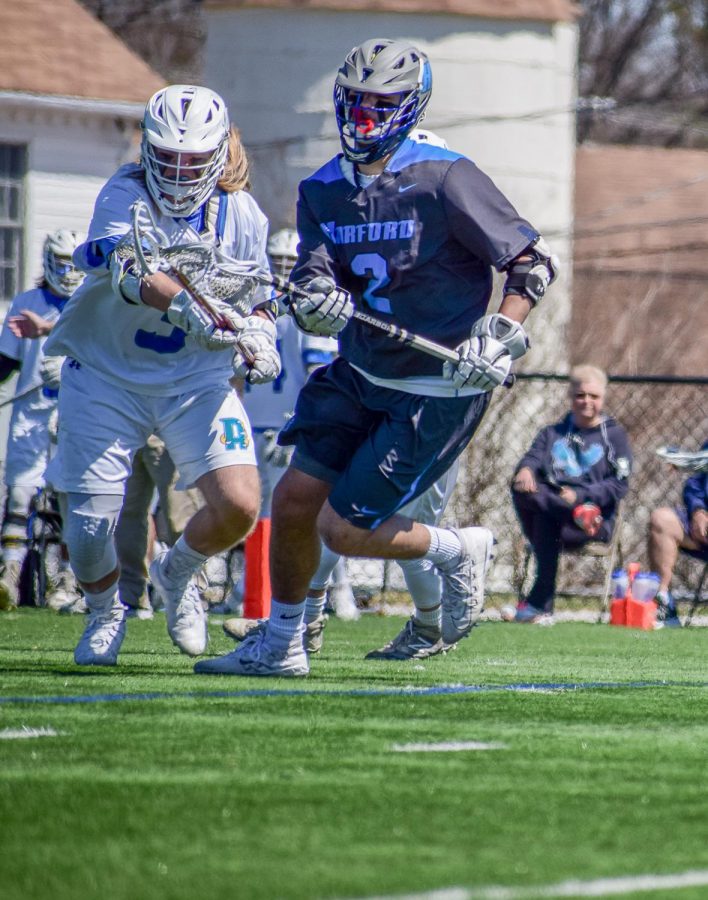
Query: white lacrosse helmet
x=184 y=146
x=282 y=250
x=61 y=274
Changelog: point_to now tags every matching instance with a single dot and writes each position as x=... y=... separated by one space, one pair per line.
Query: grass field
x=146 y=781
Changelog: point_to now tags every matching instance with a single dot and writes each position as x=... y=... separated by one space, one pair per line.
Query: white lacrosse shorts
x=27 y=447
x=102 y=425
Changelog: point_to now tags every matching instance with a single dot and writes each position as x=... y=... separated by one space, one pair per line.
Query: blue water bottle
x=620 y=583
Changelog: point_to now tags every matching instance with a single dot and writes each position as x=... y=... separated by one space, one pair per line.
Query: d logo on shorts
x=235 y=435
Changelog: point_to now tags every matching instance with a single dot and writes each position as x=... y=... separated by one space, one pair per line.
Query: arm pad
x=532 y=273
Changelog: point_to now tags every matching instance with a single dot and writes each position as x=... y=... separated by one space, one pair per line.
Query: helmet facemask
x=380 y=94
x=60 y=273
x=282 y=251
x=184 y=147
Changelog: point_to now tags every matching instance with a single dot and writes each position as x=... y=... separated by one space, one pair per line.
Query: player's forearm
x=158 y=290
x=515 y=307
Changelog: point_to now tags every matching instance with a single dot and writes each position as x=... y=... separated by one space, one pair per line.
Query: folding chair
x=697 y=598
x=610 y=553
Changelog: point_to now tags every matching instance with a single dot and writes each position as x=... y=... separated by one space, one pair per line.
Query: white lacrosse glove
x=273 y=453
x=504 y=330
x=326 y=310
x=124 y=278
x=187 y=314
x=50 y=371
x=258 y=340
x=484 y=364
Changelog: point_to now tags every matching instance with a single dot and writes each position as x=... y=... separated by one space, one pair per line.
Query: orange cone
x=256 y=595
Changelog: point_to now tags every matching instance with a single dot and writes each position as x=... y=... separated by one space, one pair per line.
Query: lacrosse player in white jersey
x=30 y=319
x=143 y=358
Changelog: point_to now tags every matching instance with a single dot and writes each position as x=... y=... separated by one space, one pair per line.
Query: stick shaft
x=25 y=393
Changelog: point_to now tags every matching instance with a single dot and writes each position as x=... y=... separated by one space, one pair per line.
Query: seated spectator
x=673 y=530
x=567 y=486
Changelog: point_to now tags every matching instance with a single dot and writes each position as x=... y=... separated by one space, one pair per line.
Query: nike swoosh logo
x=290 y=617
x=406 y=187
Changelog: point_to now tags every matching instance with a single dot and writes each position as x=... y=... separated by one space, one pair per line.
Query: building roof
x=56 y=47
x=533 y=10
x=640 y=209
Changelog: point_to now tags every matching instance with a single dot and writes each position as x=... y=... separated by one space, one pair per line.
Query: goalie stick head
x=184 y=146
x=380 y=94
x=60 y=273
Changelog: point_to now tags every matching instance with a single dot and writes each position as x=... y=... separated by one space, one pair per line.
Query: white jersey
x=28 y=436
x=135 y=346
x=271 y=405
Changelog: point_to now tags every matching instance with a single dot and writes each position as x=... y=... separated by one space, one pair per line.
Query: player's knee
x=89 y=538
x=339 y=535
x=294 y=499
x=663 y=521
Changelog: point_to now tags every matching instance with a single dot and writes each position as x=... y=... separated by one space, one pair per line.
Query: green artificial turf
x=213 y=787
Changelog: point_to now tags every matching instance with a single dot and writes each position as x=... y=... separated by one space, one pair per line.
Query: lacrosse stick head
x=683 y=459
x=143 y=244
x=184 y=146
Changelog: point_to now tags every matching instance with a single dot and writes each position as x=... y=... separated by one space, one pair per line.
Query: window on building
x=13 y=168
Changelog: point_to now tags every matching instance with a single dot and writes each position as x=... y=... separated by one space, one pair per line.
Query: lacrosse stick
x=683 y=459
x=197 y=265
x=25 y=393
x=147 y=244
x=246 y=269
x=146 y=234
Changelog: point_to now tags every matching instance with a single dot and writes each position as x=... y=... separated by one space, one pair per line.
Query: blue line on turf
x=436 y=690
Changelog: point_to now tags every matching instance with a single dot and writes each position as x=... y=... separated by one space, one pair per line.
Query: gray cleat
x=463 y=583
x=415 y=641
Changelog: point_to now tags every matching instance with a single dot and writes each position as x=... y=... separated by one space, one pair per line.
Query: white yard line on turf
x=15 y=734
x=598 y=887
x=447 y=747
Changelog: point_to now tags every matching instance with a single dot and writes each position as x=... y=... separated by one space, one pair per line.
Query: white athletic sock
x=102 y=600
x=285 y=622
x=182 y=561
x=445 y=546
x=314 y=607
x=328 y=561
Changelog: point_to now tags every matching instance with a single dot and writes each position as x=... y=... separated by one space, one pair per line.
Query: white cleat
x=102 y=637
x=255 y=656
x=186 y=618
x=463 y=584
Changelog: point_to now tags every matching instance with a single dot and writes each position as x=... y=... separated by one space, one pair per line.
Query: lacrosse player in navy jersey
x=143 y=358
x=408 y=232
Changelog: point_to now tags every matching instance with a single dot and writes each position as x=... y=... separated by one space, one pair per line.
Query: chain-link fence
x=655 y=411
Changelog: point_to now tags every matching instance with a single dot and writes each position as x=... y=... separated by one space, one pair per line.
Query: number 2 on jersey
x=373 y=267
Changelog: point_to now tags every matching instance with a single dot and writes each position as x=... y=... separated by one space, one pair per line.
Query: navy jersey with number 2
x=415 y=247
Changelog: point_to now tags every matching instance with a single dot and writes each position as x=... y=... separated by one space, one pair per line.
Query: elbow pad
x=531 y=274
